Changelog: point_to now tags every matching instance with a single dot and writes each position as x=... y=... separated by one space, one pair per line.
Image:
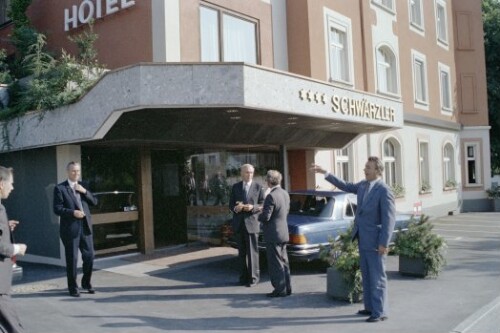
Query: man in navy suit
x=245 y=202
x=71 y=203
x=275 y=227
x=374 y=225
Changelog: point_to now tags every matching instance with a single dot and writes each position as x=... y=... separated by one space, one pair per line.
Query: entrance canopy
x=209 y=104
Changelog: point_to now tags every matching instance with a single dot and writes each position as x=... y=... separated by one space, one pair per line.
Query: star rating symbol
x=303 y=94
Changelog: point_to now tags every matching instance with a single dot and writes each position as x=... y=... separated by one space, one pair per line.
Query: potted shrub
x=494 y=194
x=425 y=187
x=421 y=251
x=450 y=184
x=398 y=190
x=343 y=274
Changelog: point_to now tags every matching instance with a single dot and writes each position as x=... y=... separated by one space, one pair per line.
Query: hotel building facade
x=204 y=86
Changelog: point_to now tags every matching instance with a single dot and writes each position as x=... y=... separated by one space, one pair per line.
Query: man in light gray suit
x=274 y=225
x=245 y=203
x=374 y=225
x=9 y=319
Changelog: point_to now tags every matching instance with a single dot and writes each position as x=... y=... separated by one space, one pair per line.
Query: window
x=425 y=180
x=441 y=22
x=389 y=4
x=420 y=79
x=342 y=164
x=386 y=71
x=445 y=87
x=392 y=163
x=416 y=14
x=449 y=166
x=339 y=52
x=4 y=7
x=472 y=164
x=226 y=37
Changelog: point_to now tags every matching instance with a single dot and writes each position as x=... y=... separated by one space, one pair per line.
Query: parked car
x=317 y=216
x=17 y=271
x=114 y=234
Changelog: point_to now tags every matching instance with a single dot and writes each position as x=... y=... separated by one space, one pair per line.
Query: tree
x=491 y=26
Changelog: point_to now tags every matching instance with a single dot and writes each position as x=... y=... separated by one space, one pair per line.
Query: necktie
x=366 y=192
x=246 y=189
x=78 y=199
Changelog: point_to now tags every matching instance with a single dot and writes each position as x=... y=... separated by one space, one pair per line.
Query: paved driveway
x=197 y=292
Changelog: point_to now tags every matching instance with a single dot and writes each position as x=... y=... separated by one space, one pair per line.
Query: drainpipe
x=363 y=63
x=284 y=164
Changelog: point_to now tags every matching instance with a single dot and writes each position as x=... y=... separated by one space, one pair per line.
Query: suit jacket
x=6 y=252
x=65 y=203
x=274 y=216
x=255 y=197
x=375 y=215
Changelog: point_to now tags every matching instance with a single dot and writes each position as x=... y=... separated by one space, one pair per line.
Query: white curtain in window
x=338 y=55
x=239 y=40
x=415 y=12
x=420 y=93
x=441 y=23
x=209 y=32
x=445 y=90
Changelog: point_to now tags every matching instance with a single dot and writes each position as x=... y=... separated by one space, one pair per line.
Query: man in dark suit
x=9 y=320
x=274 y=224
x=245 y=202
x=71 y=203
x=374 y=225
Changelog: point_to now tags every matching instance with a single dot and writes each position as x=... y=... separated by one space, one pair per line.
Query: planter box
x=337 y=288
x=496 y=205
x=412 y=267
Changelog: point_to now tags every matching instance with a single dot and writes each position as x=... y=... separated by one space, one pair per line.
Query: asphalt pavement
x=193 y=288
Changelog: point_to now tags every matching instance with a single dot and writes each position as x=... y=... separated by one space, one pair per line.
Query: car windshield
x=311 y=205
x=111 y=202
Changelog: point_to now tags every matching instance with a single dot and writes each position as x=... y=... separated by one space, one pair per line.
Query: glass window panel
x=209 y=31
x=420 y=91
x=338 y=55
x=239 y=40
x=445 y=90
x=441 y=23
x=415 y=12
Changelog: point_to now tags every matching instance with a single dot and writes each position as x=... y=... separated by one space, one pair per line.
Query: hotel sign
x=349 y=106
x=91 y=10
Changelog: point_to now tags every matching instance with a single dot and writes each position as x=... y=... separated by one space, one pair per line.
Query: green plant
x=398 y=190
x=42 y=82
x=425 y=187
x=5 y=77
x=343 y=254
x=419 y=241
x=493 y=192
x=450 y=183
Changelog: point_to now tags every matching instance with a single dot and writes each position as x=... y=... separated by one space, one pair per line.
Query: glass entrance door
x=169 y=199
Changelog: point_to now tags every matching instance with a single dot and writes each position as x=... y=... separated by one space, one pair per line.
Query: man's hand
x=80 y=188
x=247 y=208
x=317 y=168
x=13 y=224
x=22 y=249
x=383 y=250
x=239 y=207
x=78 y=214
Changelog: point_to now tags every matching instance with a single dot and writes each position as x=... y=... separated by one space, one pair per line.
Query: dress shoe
x=253 y=284
x=74 y=293
x=376 y=319
x=89 y=289
x=365 y=312
x=274 y=294
x=288 y=292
